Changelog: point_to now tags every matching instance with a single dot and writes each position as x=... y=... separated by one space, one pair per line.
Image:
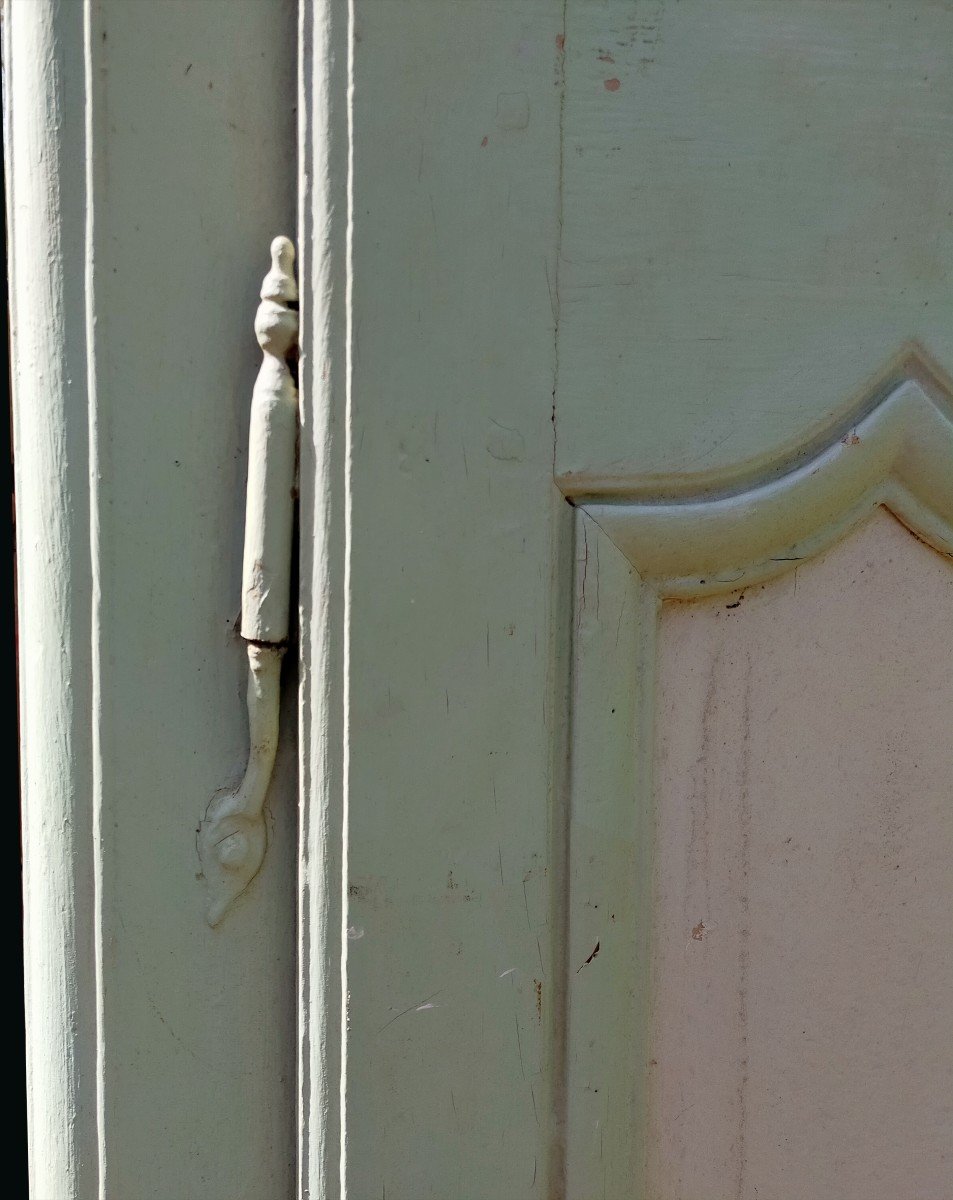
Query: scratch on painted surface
x=595 y=951
x=418 y=1007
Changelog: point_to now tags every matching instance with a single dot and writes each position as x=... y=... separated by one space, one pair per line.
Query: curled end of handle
x=232 y=837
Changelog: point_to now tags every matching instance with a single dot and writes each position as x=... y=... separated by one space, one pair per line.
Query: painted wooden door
x=151 y=158
x=632 y=834
x=622 y=827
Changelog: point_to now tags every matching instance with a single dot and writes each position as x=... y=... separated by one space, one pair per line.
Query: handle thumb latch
x=232 y=838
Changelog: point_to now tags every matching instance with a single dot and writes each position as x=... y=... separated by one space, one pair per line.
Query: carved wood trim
x=894 y=448
x=709 y=535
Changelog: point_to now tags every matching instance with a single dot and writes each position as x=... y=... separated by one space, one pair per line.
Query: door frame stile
x=47 y=152
x=324 y=380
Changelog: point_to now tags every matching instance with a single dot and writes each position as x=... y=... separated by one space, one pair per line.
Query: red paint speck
x=485 y=141
x=560 y=42
x=612 y=85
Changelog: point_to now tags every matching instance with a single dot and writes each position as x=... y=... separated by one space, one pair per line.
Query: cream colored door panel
x=802 y=960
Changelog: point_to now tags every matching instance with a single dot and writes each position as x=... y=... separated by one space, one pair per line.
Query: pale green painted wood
x=544 y=212
x=162 y=1052
x=550 y=268
x=754 y=222
x=450 y=713
x=192 y=140
x=608 y=886
x=192 y=136
x=43 y=136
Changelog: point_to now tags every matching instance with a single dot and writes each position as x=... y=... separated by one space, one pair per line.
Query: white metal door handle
x=232 y=837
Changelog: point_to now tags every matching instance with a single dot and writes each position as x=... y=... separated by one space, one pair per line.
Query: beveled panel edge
x=896 y=453
x=605 y=881
x=912 y=362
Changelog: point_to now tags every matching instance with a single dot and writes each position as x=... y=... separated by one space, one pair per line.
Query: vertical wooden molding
x=45 y=146
x=323 y=230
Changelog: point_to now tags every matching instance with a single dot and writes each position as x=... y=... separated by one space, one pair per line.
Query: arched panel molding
x=638 y=542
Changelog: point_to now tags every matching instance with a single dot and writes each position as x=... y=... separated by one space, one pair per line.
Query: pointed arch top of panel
x=893 y=449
